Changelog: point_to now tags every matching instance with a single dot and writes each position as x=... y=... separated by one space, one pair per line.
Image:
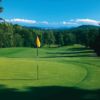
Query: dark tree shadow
x=73 y=53
x=49 y=93
x=70 y=52
x=68 y=56
x=78 y=49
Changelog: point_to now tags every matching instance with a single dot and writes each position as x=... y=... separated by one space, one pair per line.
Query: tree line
x=19 y=36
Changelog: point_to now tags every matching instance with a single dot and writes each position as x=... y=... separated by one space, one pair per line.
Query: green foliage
x=59 y=39
x=18 y=40
x=49 y=37
x=97 y=44
x=88 y=36
x=18 y=36
x=69 y=39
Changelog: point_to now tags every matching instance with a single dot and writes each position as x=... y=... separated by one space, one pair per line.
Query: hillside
x=67 y=66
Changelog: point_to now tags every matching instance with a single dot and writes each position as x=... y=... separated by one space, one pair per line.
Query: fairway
x=57 y=67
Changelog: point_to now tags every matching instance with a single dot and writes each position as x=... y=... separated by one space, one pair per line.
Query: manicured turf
x=65 y=66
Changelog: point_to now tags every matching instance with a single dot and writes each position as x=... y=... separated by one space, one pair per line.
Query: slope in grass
x=50 y=73
x=65 y=66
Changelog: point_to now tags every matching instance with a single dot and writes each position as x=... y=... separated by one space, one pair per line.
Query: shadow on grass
x=68 y=56
x=49 y=93
x=61 y=55
x=82 y=53
x=78 y=49
x=70 y=52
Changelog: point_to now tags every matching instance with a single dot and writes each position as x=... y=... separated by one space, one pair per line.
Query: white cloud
x=22 y=20
x=69 y=23
x=72 y=22
x=44 y=22
x=19 y=20
x=64 y=22
x=88 y=21
x=81 y=22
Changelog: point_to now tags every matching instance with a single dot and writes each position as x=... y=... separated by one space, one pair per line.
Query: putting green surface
x=56 y=67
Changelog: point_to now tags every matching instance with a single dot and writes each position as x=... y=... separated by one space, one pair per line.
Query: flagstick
x=37 y=72
x=37 y=66
x=37 y=52
x=38 y=45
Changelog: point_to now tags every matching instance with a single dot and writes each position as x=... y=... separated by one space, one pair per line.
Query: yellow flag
x=38 y=44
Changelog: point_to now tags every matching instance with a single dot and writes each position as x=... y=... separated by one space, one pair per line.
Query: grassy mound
x=66 y=66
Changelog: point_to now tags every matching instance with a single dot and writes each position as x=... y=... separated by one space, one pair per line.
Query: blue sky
x=53 y=13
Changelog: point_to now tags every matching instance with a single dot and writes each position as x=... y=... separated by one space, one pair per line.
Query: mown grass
x=65 y=66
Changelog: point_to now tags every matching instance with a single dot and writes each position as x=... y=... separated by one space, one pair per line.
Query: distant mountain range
x=61 y=28
x=47 y=28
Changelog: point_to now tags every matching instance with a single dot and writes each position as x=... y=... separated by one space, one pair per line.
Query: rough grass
x=65 y=66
